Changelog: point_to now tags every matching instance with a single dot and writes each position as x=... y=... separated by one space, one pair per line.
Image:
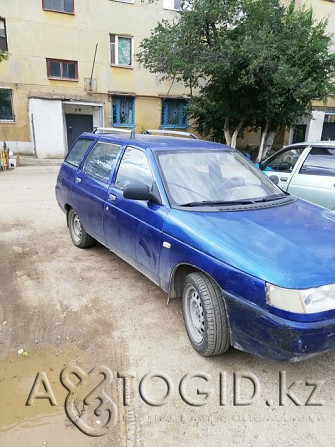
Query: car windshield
x=210 y=177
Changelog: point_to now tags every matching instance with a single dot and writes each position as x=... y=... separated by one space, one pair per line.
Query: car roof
x=157 y=143
x=312 y=143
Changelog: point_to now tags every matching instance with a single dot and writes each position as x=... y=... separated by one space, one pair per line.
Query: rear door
x=91 y=186
x=315 y=180
x=68 y=170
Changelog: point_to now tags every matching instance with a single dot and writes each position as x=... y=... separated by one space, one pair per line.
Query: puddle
x=17 y=375
x=41 y=423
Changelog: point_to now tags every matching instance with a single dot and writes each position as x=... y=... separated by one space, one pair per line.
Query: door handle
x=112 y=197
x=78 y=179
x=283 y=179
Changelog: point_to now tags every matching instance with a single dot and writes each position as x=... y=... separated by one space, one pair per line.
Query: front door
x=284 y=164
x=76 y=125
x=133 y=228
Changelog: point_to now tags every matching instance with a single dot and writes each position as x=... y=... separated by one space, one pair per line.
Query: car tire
x=205 y=315
x=78 y=234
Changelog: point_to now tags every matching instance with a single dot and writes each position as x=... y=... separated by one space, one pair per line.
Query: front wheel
x=78 y=234
x=205 y=315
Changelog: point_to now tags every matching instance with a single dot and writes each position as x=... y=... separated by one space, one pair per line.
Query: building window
x=3 y=35
x=121 y=50
x=6 y=104
x=58 y=69
x=123 y=111
x=173 y=114
x=59 y=5
x=172 y=4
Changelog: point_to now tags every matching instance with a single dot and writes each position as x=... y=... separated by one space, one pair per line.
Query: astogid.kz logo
x=87 y=404
x=89 y=407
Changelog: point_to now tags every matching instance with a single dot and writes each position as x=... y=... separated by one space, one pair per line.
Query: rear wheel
x=205 y=315
x=78 y=234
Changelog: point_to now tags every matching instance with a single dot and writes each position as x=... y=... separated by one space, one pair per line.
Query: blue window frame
x=123 y=111
x=173 y=114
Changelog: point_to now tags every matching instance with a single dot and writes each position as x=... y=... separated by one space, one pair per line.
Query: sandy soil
x=71 y=308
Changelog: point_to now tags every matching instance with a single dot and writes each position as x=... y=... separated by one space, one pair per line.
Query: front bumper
x=256 y=330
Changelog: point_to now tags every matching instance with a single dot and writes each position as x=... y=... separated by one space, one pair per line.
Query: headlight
x=303 y=301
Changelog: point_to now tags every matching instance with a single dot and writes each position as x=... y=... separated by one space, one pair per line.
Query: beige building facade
x=322 y=124
x=71 y=67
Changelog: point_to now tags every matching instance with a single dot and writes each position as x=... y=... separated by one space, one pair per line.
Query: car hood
x=292 y=246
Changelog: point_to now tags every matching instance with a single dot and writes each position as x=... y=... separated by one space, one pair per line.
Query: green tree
x=3 y=55
x=255 y=64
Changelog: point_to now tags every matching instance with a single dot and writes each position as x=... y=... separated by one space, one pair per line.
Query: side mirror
x=274 y=179
x=136 y=192
x=141 y=192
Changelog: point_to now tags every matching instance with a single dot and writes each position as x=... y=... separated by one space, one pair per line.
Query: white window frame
x=116 y=50
x=170 y=4
x=3 y=28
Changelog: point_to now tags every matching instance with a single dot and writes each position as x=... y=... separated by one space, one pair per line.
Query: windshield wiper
x=270 y=198
x=234 y=202
x=218 y=202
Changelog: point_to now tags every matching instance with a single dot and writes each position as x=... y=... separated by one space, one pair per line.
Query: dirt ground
x=65 y=311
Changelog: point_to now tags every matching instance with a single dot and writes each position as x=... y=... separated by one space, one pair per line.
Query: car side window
x=101 y=160
x=134 y=168
x=286 y=160
x=320 y=161
x=77 y=151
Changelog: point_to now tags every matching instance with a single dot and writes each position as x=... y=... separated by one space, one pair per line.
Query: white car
x=306 y=170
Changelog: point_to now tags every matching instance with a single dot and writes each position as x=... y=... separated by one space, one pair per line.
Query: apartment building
x=72 y=67
x=322 y=124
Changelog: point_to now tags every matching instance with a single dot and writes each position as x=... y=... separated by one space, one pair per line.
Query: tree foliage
x=3 y=55
x=255 y=63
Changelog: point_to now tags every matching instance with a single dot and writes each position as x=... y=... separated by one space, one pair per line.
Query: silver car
x=306 y=170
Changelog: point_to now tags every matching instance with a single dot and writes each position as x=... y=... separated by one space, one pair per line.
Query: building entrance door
x=77 y=124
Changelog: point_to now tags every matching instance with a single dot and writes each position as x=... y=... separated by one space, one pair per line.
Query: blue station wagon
x=254 y=266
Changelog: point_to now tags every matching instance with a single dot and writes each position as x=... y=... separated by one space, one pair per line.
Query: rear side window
x=101 y=160
x=320 y=161
x=77 y=152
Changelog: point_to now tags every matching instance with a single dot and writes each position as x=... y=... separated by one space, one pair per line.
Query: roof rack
x=114 y=130
x=171 y=132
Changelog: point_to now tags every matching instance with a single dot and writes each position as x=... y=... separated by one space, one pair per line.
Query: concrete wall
x=323 y=9
x=315 y=126
x=48 y=135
